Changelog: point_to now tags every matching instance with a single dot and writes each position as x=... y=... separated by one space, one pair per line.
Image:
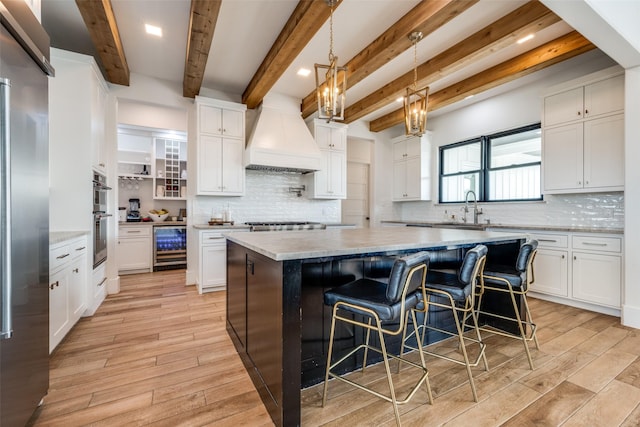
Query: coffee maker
x=134 y=211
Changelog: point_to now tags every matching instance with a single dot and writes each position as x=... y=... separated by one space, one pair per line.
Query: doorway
x=355 y=208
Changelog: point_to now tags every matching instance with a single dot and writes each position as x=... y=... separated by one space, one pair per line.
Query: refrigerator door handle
x=6 y=329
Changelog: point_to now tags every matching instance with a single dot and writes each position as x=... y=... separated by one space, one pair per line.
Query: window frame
x=485 y=169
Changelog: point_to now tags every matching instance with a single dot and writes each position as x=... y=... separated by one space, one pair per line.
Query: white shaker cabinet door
x=563 y=157
x=597 y=278
x=551 y=272
x=604 y=152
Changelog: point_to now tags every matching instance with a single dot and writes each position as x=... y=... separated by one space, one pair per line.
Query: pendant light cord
x=331 y=56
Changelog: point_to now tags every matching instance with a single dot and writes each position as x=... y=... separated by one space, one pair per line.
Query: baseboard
x=631 y=316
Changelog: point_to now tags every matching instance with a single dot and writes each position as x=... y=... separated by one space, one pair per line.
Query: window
x=504 y=166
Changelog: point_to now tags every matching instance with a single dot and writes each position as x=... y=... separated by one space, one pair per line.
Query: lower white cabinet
x=212 y=274
x=552 y=272
x=68 y=278
x=581 y=269
x=134 y=249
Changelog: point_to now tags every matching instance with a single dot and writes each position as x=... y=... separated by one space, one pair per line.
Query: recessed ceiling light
x=304 y=72
x=153 y=30
x=525 y=38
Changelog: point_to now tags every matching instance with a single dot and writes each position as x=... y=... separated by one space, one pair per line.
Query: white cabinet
x=212 y=261
x=67 y=286
x=551 y=272
x=330 y=182
x=604 y=96
x=98 y=111
x=583 y=138
x=220 y=148
x=411 y=168
x=597 y=269
x=134 y=249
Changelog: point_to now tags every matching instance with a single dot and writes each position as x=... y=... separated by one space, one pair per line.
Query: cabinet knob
x=575 y=258
x=75 y=270
x=586 y=182
x=579 y=113
x=579 y=182
x=586 y=112
x=562 y=256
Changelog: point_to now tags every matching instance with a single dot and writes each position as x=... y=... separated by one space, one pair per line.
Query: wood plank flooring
x=158 y=354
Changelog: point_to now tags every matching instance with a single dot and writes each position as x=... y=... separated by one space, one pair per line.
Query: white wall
x=518 y=107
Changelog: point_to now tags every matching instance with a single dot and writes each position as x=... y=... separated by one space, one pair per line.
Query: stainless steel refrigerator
x=24 y=217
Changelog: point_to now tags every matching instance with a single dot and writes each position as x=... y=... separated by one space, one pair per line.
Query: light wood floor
x=158 y=353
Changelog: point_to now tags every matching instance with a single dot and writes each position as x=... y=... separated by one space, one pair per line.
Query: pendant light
x=331 y=81
x=415 y=103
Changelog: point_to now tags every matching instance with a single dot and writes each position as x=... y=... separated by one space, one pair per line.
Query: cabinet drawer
x=134 y=231
x=551 y=240
x=211 y=237
x=600 y=244
x=59 y=256
x=78 y=248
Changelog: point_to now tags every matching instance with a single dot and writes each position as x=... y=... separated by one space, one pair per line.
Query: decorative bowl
x=158 y=218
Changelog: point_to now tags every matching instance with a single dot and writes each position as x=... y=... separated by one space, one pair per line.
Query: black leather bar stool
x=383 y=308
x=514 y=280
x=455 y=292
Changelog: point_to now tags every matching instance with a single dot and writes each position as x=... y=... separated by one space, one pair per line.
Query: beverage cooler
x=169 y=247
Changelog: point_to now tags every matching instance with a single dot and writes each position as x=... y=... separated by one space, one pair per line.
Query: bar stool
x=388 y=307
x=455 y=292
x=515 y=281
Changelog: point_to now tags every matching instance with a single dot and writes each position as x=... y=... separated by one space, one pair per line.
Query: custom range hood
x=280 y=139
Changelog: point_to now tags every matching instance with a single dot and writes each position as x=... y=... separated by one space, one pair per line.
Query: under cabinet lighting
x=153 y=30
x=525 y=39
x=304 y=72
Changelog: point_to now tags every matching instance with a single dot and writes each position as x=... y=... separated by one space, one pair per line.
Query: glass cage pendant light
x=331 y=81
x=415 y=102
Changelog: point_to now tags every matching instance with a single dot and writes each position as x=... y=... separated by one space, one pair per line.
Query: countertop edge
x=558 y=228
x=56 y=237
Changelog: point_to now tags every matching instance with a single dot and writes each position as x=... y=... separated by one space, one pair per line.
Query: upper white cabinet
x=330 y=182
x=98 y=111
x=583 y=136
x=411 y=168
x=220 y=148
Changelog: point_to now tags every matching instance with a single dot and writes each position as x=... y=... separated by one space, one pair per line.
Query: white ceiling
x=246 y=29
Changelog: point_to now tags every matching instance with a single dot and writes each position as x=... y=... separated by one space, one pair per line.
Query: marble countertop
x=304 y=244
x=560 y=228
x=143 y=223
x=221 y=227
x=63 y=236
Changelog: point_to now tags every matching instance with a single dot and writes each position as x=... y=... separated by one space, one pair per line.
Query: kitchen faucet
x=476 y=210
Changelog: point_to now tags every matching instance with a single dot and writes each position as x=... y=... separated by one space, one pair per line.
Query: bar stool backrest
x=399 y=275
x=524 y=263
x=472 y=264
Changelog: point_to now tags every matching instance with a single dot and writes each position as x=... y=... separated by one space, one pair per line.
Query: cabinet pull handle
x=53 y=285
x=216 y=238
x=547 y=240
x=593 y=244
x=133 y=231
x=250 y=267
x=62 y=256
x=81 y=249
x=102 y=282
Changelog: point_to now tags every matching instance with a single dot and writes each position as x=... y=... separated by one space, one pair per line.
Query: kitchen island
x=275 y=285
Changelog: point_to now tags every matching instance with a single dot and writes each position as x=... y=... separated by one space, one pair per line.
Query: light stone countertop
x=227 y=227
x=149 y=223
x=62 y=236
x=304 y=244
x=559 y=228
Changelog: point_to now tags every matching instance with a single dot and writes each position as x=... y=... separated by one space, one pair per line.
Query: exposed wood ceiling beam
x=303 y=24
x=558 y=50
x=103 y=29
x=427 y=17
x=529 y=18
x=202 y=24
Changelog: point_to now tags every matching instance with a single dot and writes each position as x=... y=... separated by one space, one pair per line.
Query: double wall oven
x=100 y=216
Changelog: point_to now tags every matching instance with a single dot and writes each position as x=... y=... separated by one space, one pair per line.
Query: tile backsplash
x=268 y=198
x=605 y=210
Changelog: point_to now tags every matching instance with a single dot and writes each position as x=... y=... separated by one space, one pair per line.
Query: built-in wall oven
x=169 y=246
x=100 y=217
